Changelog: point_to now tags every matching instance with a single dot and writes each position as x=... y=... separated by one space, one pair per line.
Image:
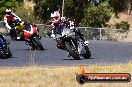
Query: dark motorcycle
x=4 y=49
x=73 y=42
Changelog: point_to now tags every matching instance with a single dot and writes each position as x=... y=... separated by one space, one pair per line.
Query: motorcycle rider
x=20 y=27
x=9 y=20
x=56 y=21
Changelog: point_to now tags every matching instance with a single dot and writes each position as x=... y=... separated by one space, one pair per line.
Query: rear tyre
x=71 y=52
x=38 y=44
x=87 y=55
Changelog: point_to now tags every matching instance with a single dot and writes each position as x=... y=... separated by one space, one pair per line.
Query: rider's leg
x=60 y=29
x=12 y=32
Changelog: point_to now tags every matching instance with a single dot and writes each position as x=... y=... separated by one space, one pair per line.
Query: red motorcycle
x=30 y=33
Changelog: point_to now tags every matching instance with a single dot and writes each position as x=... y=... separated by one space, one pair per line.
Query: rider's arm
x=58 y=15
x=15 y=16
x=6 y=23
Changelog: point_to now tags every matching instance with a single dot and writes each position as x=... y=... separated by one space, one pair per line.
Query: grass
x=57 y=76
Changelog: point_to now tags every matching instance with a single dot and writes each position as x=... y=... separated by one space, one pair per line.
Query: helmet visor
x=8 y=13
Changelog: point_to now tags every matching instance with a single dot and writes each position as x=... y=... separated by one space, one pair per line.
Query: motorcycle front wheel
x=8 y=53
x=2 y=55
x=87 y=55
x=37 y=43
x=71 y=51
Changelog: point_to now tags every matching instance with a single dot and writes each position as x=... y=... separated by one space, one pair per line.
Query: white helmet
x=53 y=14
x=8 y=11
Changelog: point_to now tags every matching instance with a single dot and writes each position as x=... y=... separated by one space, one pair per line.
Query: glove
x=52 y=26
x=8 y=27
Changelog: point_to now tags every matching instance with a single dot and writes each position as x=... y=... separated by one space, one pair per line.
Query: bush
x=123 y=25
x=97 y=16
x=27 y=14
x=11 y=4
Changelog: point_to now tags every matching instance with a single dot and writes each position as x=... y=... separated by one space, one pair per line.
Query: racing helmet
x=8 y=11
x=53 y=14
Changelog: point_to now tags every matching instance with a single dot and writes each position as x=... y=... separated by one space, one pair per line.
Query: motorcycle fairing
x=1 y=42
x=28 y=33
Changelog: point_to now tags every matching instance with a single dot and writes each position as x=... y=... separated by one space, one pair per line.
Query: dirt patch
x=122 y=17
x=3 y=30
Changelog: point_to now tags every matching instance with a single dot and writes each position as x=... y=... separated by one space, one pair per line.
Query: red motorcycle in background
x=30 y=33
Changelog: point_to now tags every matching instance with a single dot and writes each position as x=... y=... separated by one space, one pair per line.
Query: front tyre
x=87 y=55
x=72 y=52
x=8 y=53
x=38 y=44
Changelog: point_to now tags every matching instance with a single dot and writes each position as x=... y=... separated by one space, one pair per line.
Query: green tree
x=119 y=5
x=82 y=11
x=73 y=8
x=97 y=16
x=43 y=8
x=8 y=4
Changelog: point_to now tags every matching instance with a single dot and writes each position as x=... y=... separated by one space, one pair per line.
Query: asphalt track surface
x=103 y=53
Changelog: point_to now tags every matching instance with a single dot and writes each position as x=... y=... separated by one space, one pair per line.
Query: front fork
x=39 y=37
x=81 y=47
x=74 y=44
x=74 y=47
